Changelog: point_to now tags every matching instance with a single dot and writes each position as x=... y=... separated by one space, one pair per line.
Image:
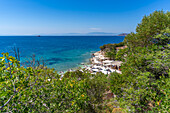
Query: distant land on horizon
x=74 y=34
x=123 y=34
x=81 y=34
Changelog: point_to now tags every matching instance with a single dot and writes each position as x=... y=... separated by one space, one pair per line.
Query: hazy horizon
x=71 y=34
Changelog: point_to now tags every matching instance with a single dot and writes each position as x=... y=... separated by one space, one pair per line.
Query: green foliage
x=111 y=54
x=120 y=55
x=151 y=25
x=22 y=89
x=163 y=37
x=143 y=85
x=40 y=89
x=109 y=47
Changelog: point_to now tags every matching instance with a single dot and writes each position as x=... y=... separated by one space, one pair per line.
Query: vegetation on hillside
x=110 y=49
x=143 y=86
x=40 y=89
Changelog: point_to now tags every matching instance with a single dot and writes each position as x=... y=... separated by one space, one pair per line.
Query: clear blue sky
x=29 y=17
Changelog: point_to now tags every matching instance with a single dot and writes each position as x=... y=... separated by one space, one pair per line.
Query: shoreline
x=103 y=64
x=98 y=63
x=81 y=65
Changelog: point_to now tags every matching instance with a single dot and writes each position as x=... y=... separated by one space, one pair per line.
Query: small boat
x=38 y=35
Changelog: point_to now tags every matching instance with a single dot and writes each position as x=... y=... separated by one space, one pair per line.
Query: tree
x=143 y=84
x=111 y=54
x=149 y=27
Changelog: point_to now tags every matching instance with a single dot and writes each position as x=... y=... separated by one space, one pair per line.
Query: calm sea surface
x=61 y=52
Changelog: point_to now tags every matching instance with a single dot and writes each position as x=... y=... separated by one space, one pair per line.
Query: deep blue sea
x=60 y=52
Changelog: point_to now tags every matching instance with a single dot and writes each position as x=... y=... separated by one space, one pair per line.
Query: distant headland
x=123 y=34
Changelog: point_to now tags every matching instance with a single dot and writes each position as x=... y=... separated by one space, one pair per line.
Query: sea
x=59 y=52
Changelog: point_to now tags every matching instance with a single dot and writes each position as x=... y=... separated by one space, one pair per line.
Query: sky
x=71 y=17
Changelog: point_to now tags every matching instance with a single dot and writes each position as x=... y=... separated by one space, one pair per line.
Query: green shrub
x=40 y=89
x=143 y=84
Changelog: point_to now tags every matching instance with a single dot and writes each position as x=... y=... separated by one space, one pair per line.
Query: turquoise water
x=60 y=52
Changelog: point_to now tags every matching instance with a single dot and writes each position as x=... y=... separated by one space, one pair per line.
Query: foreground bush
x=39 y=89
